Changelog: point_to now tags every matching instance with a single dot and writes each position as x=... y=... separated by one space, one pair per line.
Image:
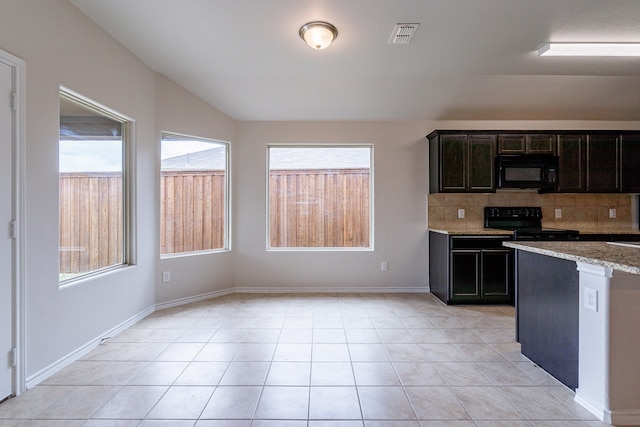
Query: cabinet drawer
x=475 y=242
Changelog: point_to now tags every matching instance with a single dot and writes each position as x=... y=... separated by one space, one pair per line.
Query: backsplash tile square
x=586 y=217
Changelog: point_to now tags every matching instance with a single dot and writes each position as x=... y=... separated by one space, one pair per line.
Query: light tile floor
x=352 y=360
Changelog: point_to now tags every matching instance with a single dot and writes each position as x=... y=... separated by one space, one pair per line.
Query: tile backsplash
x=577 y=211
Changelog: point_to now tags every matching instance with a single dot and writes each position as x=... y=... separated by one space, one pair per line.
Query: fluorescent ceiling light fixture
x=318 y=34
x=590 y=49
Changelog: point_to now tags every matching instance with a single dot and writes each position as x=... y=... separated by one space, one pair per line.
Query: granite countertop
x=474 y=232
x=622 y=258
x=496 y=232
x=594 y=231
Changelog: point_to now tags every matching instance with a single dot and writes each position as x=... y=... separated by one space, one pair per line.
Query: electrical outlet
x=558 y=213
x=460 y=213
x=612 y=213
x=591 y=299
x=166 y=276
x=383 y=266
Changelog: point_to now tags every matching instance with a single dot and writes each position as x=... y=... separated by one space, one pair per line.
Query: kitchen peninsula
x=594 y=286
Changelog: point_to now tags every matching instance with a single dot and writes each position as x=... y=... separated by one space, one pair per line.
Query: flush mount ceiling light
x=590 y=49
x=318 y=34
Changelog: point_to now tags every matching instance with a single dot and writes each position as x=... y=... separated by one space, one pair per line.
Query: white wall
x=400 y=188
x=181 y=112
x=62 y=47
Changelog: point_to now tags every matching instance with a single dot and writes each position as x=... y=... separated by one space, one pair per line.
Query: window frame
x=128 y=190
x=227 y=197
x=369 y=248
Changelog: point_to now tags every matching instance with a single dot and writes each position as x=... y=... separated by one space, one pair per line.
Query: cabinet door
x=544 y=143
x=496 y=273
x=541 y=144
x=602 y=164
x=572 y=163
x=482 y=153
x=512 y=144
x=465 y=275
x=439 y=265
x=453 y=162
x=630 y=163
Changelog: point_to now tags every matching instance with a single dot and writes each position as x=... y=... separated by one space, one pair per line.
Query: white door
x=6 y=241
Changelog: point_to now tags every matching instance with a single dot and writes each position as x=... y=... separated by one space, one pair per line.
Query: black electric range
x=525 y=222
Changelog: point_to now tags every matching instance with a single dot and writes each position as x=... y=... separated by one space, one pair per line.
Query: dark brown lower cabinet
x=470 y=269
x=547 y=310
x=481 y=275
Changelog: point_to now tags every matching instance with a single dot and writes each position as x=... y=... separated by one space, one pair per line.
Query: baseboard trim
x=589 y=404
x=188 y=300
x=65 y=361
x=623 y=417
x=332 y=290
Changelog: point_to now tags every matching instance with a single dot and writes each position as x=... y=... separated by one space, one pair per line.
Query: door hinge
x=14 y=101
x=13 y=229
x=13 y=355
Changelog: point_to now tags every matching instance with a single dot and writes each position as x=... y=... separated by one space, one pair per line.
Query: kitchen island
x=596 y=287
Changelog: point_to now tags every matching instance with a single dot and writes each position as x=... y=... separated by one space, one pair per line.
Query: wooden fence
x=319 y=208
x=192 y=216
x=90 y=211
x=308 y=208
x=192 y=211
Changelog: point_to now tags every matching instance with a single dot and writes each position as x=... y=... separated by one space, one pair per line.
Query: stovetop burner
x=525 y=222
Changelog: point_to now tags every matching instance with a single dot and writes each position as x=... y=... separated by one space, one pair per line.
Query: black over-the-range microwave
x=527 y=171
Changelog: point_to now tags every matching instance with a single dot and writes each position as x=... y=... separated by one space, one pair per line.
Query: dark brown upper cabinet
x=482 y=154
x=599 y=163
x=536 y=143
x=593 y=161
x=603 y=167
x=630 y=163
x=461 y=162
x=453 y=161
x=572 y=165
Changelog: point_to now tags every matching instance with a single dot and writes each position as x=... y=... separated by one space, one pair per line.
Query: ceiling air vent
x=403 y=33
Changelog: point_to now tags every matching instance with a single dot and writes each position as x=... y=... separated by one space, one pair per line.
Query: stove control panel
x=503 y=212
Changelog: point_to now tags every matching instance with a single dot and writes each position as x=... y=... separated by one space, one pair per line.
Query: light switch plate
x=591 y=299
x=460 y=213
x=558 y=213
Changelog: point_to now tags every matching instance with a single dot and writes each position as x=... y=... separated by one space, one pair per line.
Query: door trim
x=19 y=173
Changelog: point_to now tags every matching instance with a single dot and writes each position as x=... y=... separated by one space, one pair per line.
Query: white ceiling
x=469 y=59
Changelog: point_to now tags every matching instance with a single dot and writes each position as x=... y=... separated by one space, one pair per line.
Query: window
x=320 y=197
x=194 y=195
x=93 y=188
